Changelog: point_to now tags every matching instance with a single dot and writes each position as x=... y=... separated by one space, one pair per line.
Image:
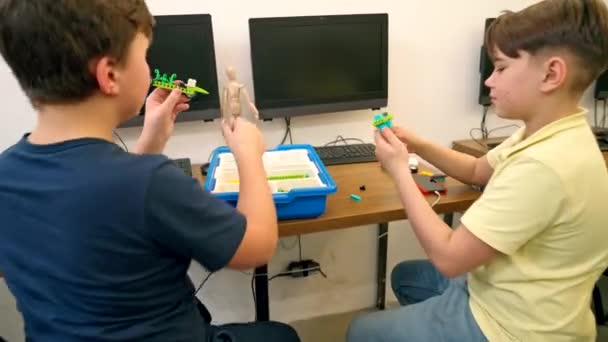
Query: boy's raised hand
x=408 y=137
x=243 y=138
x=391 y=152
x=162 y=107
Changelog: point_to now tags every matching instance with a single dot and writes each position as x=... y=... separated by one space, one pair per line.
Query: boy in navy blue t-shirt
x=95 y=242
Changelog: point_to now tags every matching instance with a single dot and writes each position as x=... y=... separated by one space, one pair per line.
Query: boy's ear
x=105 y=71
x=555 y=73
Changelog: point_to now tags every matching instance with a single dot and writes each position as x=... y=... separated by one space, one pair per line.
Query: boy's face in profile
x=132 y=78
x=515 y=85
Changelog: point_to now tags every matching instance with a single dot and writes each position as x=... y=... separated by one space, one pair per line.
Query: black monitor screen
x=310 y=63
x=183 y=45
x=486 y=68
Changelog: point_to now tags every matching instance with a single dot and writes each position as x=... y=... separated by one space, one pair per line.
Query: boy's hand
x=391 y=152
x=243 y=138
x=162 y=107
x=408 y=137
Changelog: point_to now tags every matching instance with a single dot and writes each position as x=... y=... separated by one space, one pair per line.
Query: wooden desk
x=476 y=148
x=380 y=205
x=480 y=147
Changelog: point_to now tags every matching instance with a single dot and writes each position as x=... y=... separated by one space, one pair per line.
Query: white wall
x=434 y=56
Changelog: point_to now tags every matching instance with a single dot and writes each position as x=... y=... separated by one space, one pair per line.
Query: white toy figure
x=191 y=83
x=231 y=99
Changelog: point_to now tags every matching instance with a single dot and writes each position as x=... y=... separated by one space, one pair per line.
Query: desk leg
x=262 y=306
x=448 y=219
x=382 y=256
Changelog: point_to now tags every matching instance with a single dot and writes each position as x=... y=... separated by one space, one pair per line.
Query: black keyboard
x=184 y=164
x=347 y=154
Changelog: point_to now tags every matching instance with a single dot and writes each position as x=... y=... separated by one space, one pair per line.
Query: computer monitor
x=183 y=44
x=601 y=87
x=486 y=68
x=319 y=64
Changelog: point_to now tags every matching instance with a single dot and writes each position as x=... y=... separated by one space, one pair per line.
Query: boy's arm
x=463 y=167
x=256 y=204
x=519 y=205
x=453 y=252
x=183 y=218
x=255 y=198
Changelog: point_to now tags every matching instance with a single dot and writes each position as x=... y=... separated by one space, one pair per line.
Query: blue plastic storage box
x=295 y=203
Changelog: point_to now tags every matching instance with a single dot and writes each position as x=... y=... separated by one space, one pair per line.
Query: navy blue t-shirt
x=95 y=242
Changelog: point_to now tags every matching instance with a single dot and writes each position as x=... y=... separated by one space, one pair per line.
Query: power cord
x=255 y=302
x=345 y=141
x=484 y=127
x=203 y=282
x=121 y=141
x=437 y=200
x=480 y=142
x=604 y=114
x=282 y=274
x=595 y=113
x=287 y=132
x=600 y=122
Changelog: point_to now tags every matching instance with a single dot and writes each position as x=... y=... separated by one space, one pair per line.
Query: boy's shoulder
x=80 y=158
x=566 y=142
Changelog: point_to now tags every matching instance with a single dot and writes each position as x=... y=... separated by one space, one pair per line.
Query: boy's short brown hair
x=579 y=26
x=49 y=43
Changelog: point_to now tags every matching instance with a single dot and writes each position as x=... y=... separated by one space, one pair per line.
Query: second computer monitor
x=319 y=64
x=183 y=44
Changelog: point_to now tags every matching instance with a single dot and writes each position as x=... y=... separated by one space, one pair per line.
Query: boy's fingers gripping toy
x=383 y=120
x=189 y=89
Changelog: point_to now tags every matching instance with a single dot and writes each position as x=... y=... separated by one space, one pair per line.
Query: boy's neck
x=550 y=111
x=90 y=119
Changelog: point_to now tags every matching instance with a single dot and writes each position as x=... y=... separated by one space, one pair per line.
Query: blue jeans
x=436 y=309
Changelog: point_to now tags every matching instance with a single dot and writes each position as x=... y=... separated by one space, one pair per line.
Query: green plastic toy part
x=384 y=120
x=189 y=89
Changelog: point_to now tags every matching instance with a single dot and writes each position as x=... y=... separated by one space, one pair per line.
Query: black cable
x=340 y=138
x=322 y=273
x=481 y=143
x=484 y=128
x=255 y=304
x=287 y=132
x=121 y=141
x=604 y=114
x=502 y=127
x=595 y=114
x=300 y=246
x=203 y=283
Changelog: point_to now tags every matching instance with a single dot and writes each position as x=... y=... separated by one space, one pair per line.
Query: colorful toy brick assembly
x=384 y=120
x=189 y=89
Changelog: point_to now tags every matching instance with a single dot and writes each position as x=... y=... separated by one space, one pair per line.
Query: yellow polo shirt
x=546 y=210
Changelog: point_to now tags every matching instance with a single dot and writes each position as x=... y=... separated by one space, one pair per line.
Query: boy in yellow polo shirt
x=523 y=263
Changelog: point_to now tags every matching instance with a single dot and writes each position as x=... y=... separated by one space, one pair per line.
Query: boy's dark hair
x=578 y=26
x=49 y=44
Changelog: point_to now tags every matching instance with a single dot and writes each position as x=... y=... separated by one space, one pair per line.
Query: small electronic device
x=427 y=185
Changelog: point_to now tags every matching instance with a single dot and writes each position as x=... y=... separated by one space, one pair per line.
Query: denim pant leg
x=416 y=281
x=441 y=312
